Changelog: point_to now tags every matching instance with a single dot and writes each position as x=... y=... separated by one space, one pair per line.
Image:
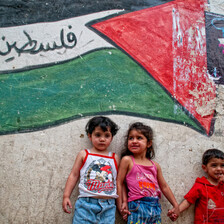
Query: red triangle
x=169 y=42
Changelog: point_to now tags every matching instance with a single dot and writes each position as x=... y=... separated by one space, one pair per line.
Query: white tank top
x=98 y=175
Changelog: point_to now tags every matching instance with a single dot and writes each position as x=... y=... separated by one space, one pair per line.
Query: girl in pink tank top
x=144 y=179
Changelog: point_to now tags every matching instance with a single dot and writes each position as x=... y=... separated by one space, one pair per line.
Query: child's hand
x=125 y=214
x=173 y=213
x=172 y=216
x=124 y=211
x=65 y=204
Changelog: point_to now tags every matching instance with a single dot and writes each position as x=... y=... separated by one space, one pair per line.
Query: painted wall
x=159 y=62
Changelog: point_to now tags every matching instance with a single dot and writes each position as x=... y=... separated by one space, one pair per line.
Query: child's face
x=137 y=142
x=101 y=139
x=214 y=169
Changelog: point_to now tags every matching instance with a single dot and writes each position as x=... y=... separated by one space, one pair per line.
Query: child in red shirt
x=207 y=193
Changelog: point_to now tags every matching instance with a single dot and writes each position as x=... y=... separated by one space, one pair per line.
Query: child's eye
x=107 y=136
x=139 y=138
x=130 y=138
x=97 y=135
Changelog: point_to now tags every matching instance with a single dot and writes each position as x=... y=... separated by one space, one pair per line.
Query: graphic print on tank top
x=146 y=183
x=99 y=177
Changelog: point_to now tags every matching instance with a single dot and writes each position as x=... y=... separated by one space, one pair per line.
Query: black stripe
x=21 y=12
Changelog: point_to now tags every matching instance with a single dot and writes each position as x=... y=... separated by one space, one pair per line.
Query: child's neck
x=140 y=157
x=96 y=151
x=142 y=160
x=212 y=181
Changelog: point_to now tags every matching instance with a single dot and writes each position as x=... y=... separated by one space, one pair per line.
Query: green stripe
x=105 y=81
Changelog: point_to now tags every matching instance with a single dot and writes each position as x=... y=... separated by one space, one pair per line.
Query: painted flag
x=111 y=62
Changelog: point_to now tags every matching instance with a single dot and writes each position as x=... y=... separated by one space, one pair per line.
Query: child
x=97 y=170
x=143 y=177
x=207 y=193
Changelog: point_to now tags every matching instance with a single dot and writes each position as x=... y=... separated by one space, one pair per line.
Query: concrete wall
x=35 y=166
x=37 y=155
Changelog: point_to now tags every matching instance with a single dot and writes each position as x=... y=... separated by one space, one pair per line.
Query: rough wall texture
x=35 y=164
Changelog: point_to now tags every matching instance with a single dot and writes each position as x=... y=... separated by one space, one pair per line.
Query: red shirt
x=209 y=201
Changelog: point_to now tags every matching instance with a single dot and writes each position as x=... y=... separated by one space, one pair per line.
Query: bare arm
x=72 y=181
x=167 y=191
x=117 y=160
x=121 y=188
x=184 y=205
x=125 y=212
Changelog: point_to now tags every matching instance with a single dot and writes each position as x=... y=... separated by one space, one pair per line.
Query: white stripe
x=27 y=39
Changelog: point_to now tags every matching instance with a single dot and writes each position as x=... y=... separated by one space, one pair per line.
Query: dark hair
x=147 y=132
x=103 y=123
x=210 y=154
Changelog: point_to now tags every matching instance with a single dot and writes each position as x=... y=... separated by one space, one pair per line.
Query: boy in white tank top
x=97 y=170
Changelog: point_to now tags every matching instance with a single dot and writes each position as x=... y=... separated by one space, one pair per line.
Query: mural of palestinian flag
x=176 y=58
x=151 y=62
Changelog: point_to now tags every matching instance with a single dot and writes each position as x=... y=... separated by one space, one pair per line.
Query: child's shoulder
x=82 y=153
x=156 y=164
x=126 y=162
x=126 y=159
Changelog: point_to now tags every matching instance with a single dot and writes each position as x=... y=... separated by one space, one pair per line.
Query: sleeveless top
x=142 y=181
x=98 y=175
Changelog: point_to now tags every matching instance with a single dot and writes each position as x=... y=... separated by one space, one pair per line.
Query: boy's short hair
x=210 y=154
x=103 y=123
